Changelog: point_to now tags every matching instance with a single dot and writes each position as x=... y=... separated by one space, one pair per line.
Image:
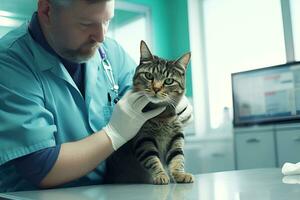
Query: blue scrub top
x=41 y=106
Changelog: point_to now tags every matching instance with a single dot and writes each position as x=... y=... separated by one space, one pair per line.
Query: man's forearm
x=76 y=159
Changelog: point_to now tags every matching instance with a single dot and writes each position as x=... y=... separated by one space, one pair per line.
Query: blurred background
x=225 y=37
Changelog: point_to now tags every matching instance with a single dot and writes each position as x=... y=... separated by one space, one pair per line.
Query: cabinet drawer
x=255 y=150
x=209 y=156
x=217 y=156
x=288 y=146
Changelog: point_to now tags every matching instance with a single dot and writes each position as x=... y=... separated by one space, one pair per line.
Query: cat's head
x=161 y=80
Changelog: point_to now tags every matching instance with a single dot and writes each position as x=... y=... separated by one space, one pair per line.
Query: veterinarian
x=60 y=82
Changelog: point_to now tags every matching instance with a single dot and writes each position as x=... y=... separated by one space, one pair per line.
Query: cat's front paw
x=183 y=177
x=161 y=179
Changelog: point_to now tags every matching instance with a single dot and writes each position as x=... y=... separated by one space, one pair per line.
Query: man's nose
x=99 y=34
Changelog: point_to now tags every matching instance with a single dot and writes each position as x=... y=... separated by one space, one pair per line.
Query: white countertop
x=255 y=184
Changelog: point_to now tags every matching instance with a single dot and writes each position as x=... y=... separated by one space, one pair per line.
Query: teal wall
x=19 y=11
x=180 y=41
x=160 y=25
x=21 y=8
x=170 y=29
x=123 y=17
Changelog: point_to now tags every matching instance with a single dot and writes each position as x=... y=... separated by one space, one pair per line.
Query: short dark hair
x=69 y=2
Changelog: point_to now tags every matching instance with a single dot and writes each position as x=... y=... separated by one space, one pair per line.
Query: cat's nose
x=156 y=89
x=157 y=86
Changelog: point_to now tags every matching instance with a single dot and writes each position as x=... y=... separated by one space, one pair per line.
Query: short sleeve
x=26 y=126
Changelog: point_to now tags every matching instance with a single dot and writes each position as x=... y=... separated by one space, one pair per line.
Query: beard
x=81 y=54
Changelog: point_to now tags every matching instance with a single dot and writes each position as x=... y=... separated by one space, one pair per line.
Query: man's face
x=76 y=31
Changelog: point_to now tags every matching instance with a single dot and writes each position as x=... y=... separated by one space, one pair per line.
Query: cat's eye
x=149 y=76
x=169 y=81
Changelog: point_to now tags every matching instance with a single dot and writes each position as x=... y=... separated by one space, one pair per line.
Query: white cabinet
x=252 y=147
x=267 y=146
x=209 y=156
x=288 y=145
x=255 y=149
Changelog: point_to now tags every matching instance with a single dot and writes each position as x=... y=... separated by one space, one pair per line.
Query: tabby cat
x=155 y=154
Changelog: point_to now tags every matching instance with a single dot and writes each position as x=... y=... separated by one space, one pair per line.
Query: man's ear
x=44 y=8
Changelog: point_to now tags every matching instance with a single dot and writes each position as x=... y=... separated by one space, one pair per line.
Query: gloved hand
x=185 y=111
x=127 y=118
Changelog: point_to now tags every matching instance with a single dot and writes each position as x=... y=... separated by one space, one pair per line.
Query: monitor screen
x=266 y=95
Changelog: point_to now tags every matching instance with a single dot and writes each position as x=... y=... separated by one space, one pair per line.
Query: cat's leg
x=146 y=151
x=175 y=160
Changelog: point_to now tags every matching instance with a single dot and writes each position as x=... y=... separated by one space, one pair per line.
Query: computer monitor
x=266 y=95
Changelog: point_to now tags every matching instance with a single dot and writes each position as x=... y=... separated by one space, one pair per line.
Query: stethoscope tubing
x=108 y=71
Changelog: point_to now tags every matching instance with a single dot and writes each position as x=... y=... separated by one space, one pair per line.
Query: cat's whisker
x=171 y=102
x=174 y=100
x=164 y=94
x=173 y=105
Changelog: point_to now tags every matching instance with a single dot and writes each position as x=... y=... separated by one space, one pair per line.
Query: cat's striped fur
x=155 y=154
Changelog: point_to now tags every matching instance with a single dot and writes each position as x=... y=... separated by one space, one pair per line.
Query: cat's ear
x=146 y=55
x=184 y=60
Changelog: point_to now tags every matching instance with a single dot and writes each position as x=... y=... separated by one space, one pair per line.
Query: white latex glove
x=127 y=118
x=185 y=111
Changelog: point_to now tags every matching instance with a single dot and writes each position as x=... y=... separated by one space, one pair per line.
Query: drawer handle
x=217 y=155
x=297 y=139
x=253 y=140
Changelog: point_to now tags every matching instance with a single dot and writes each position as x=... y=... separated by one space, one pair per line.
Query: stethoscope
x=114 y=87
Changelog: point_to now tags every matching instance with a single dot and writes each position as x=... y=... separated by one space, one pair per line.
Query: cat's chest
x=161 y=131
